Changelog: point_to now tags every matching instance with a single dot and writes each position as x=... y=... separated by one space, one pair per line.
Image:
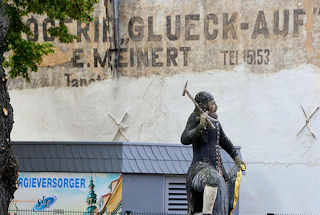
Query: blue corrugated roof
x=148 y=158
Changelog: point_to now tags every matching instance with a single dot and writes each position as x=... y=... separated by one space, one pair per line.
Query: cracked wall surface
x=172 y=37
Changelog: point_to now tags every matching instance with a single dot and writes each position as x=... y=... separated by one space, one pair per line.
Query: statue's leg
x=209 y=197
x=207 y=181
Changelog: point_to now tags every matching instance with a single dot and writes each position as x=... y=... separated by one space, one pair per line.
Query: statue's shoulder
x=193 y=119
x=194 y=115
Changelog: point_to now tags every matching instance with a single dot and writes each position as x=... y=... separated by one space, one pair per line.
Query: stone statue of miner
x=206 y=188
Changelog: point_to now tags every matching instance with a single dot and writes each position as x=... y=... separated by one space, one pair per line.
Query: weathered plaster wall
x=261 y=113
x=259 y=104
x=170 y=37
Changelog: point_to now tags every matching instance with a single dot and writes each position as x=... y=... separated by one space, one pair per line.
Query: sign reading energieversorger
x=169 y=37
x=44 y=191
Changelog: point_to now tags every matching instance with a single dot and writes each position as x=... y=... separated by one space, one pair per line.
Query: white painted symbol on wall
x=308 y=118
x=120 y=127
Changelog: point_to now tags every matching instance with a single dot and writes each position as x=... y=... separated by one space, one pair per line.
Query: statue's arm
x=226 y=144
x=192 y=131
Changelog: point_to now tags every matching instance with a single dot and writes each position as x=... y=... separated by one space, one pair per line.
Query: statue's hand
x=203 y=119
x=240 y=163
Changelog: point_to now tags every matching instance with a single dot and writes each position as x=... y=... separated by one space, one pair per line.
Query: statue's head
x=206 y=101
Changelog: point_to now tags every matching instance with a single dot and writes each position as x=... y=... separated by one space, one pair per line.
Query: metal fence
x=49 y=212
x=292 y=213
x=66 y=212
x=56 y=212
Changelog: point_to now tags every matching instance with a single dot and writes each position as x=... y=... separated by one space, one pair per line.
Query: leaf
x=24 y=56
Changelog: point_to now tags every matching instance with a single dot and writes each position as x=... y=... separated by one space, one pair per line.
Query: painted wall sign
x=169 y=37
x=68 y=192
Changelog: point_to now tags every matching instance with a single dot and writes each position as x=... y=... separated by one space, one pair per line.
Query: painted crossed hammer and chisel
x=308 y=118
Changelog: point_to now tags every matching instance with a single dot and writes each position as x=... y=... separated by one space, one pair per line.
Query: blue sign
x=45 y=202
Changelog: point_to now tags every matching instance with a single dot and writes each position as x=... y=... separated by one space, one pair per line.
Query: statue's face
x=212 y=106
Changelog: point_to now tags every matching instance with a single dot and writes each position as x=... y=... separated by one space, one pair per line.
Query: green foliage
x=24 y=55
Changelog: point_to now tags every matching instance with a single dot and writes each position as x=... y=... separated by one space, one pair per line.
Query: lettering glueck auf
x=212 y=26
x=187 y=27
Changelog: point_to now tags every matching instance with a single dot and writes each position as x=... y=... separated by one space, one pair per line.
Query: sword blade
x=301 y=129
x=313 y=135
x=304 y=112
x=314 y=112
